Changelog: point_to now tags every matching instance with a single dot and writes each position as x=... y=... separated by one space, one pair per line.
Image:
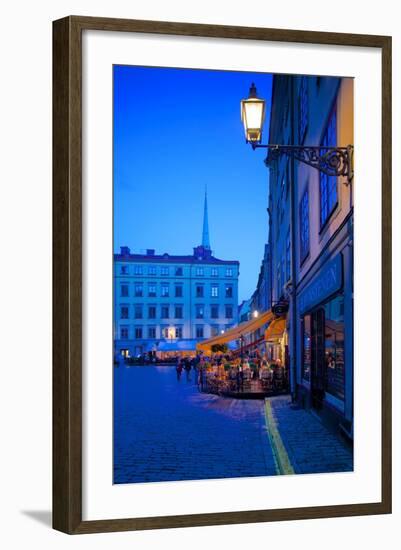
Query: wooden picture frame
x=67 y=273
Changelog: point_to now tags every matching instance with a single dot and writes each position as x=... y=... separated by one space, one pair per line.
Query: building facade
x=261 y=300
x=311 y=240
x=170 y=302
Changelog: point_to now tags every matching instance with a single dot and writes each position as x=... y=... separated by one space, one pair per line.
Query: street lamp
x=332 y=161
x=253 y=116
x=256 y=313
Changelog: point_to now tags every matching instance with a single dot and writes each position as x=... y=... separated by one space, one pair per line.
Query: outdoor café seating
x=228 y=376
x=266 y=377
x=278 y=378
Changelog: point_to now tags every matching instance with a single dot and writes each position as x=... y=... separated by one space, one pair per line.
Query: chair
x=278 y=379
x=267 y=380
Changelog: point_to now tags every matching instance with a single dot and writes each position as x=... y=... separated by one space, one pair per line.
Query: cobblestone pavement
x=165 y=430
x=311 y=448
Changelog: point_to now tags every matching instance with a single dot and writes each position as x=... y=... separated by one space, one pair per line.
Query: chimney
x=125 y=251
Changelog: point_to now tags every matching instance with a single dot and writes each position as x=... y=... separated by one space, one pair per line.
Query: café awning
x=236 y=332
x=275 y=330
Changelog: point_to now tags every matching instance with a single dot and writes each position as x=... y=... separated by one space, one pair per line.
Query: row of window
x=328 y=193
x=169 y=332
x=165 y=271
x=151 y=289
x=328 y=190
x=174 y=312
x=283 y=271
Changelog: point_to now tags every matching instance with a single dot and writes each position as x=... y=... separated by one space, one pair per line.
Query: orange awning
x=236 y=332
x=276 y=329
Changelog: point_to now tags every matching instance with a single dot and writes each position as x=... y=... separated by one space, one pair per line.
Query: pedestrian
x=187 y=367
x=179 y=370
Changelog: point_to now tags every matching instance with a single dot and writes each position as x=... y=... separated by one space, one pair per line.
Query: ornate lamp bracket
x=332 y=161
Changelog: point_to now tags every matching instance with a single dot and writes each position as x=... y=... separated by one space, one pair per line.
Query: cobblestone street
x=165 y=430
x=310 y=447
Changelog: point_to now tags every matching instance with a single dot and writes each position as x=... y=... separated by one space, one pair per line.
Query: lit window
x=165 y=290
x=306 y=347
x=138 y=289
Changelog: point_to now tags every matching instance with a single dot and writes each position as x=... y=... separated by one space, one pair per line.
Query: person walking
x=178 y=369
x=187 y=367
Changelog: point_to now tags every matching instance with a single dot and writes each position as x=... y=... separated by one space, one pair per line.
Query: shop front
x=276 y=339
x=325 y=334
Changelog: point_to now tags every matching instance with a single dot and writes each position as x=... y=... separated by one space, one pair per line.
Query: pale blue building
x=166 y=303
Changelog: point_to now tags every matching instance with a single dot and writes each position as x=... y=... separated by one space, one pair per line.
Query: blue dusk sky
x=177 y=131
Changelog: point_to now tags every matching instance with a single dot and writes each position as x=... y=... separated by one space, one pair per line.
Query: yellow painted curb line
x=283 y=462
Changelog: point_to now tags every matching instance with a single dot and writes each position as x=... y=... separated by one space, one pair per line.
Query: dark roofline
x=172 y=259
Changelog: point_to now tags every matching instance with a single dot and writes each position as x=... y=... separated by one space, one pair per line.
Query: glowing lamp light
x=253 y=116
x=256 y=314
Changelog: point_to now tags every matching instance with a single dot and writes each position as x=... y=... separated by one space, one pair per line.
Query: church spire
x=205 y=232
